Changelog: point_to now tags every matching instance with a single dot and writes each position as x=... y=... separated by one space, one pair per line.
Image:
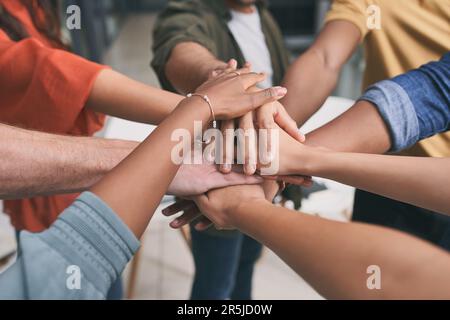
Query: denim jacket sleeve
x=78 y=257
x=415 y=105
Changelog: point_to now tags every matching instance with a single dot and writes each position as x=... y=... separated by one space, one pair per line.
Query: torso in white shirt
x=246 y=29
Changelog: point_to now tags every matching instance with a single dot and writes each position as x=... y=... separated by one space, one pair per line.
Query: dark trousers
x=425 y=224
x=223 y=265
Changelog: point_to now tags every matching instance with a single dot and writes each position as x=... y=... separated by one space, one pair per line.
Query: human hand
x=268 y=117
x=292 y=161
x=192 y=212
x=230 y=66
x=198 y=179
x=217 y=206
x=230 y=98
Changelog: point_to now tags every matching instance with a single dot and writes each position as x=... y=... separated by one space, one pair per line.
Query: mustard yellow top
x=400 y=35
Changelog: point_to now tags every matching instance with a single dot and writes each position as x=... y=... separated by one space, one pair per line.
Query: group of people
x=225 y=61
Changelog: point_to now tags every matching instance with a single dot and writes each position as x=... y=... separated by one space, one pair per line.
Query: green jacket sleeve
x=179 y=22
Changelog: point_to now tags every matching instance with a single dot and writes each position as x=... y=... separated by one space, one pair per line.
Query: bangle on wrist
x=208 y=101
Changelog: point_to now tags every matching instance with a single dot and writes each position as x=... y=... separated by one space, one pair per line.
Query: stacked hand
x=237 y=101
x=198 y=179
x=218 y=207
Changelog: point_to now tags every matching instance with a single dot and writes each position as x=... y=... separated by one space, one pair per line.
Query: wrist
x=306 y=160
x=111 y=153
x=246 y=210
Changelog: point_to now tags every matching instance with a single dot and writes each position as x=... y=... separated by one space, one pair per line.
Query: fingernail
x=280 y=91
x=250 y=169
x=226 y=166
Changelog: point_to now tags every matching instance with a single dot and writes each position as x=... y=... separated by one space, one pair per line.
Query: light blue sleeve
x=78 y=257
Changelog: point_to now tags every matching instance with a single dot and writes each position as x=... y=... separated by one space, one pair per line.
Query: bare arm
x=117 y=95
x=334 y=257
x=313 y=76
x=190 y=64
x=400 y=178
x=360 y=129
x=36 y=163
x=135 y=187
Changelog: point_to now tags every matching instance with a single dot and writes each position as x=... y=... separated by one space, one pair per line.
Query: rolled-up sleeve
x=177 y=24
x=415 y=105
x=88 y=240
x=353 y=11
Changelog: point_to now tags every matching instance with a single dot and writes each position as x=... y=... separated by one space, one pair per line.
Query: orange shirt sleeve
x=43 y=88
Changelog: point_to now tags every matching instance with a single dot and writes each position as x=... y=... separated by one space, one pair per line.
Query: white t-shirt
x=246 y=29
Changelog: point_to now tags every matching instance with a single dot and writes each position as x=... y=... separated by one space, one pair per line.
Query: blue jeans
x=223 y=265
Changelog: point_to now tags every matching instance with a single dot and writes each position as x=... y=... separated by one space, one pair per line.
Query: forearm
x=312 y=78
x=393 y=114
x=304 y=96
x=400 y=178
x=143 y=171
x=117 y=95
x=333 y=257
x=36 y=163
x=360 y=129
x=190 y=65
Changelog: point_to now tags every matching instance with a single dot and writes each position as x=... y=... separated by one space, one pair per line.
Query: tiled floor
x=166 y=266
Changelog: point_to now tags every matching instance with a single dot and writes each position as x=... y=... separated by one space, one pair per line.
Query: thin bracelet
x=208 y=101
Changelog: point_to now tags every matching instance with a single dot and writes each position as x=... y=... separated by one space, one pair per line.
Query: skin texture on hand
x=198 y=179
x=223 y=97
x=134 y=188
x=192 y=209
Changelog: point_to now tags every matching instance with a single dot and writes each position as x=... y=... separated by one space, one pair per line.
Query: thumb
x=289 y=125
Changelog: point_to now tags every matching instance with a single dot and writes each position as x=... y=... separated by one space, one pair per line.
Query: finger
x=233 y=64
x=297 y=180
x=228 y=146
x=186 y=218
x=246 y=69
x=234 y=179
x=203 y=224
x=247 y=143
x=251 y=79
x=266 y=123
x=257 y=99
x=178 y=206
x=284 y=120
x=234 y=73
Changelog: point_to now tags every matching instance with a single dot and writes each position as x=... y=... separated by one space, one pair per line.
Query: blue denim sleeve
x=415 y=105
x=78 y=257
